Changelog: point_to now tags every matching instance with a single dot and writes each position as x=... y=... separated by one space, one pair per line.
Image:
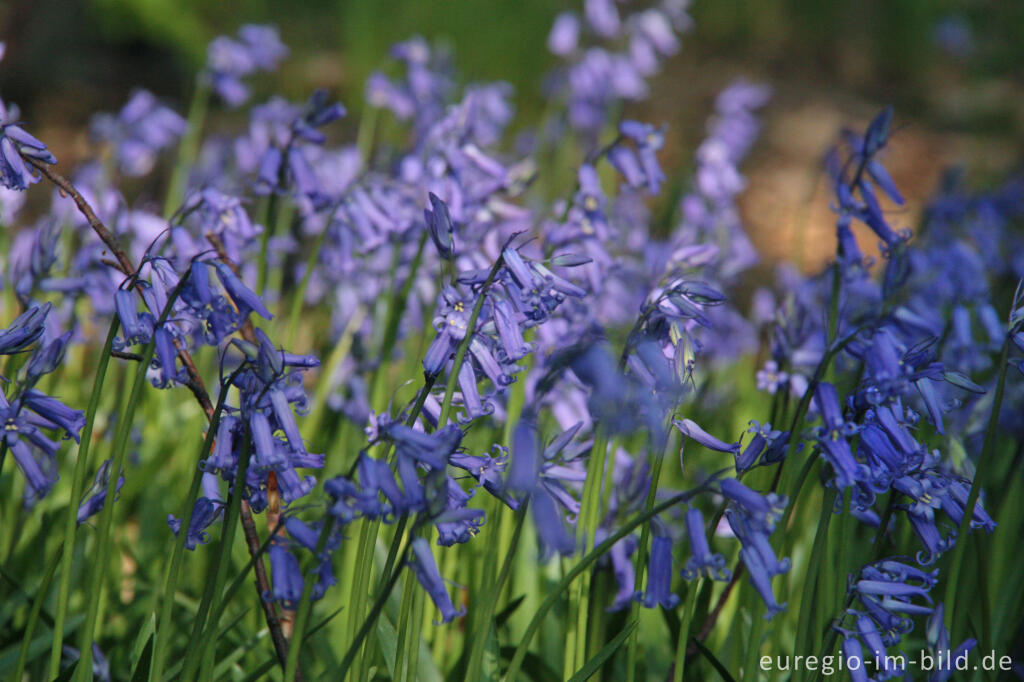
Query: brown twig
x=252 y=540
x=124 y=263
x=286 y=617
x=194 y=383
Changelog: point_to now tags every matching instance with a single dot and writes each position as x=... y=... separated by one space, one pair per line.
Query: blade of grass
x=713 y=660
x=106 y=521
x=33 y=616
x=602 y=656
x=584 y=564
x=77 y=486
x=201 y=641
x=479 y=640
x=988 y=445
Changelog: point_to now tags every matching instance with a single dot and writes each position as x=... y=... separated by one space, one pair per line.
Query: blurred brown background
x=953 y=69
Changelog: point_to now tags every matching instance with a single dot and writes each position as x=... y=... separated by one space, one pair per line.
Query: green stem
x=84 y=670
x=305 y=603
x=71 y=515
x=585 y=563
x=972 y=499
x=486 y=606
x=361 y=580
x=684 y=633
x=641 y=551
x=576 y=651
x=804 y=632
x=203 y=632
x=405 y=619
x=378 y=606
x=33 y=616
x=163 y=630
x=460 y=353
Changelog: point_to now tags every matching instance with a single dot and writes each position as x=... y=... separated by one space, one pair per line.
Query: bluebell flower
x=242 y=296
x=223 y=457
x=532 y=288
x=938 y=640
x=204 y=513
x=139 y=132
x=100 y=664
x=166 y=355
x=432 y=449
x=702 y=561
x=753 y=517
x=649 y=140
x=619 y=556
x=229 y=60
x=286 y=576
x=33 y=452
x=603 y=17
x=376 y=479
x=853 y=654
x=564 y=35
x=457 y=523
x=96 y=497
x=509 y=327
x=425 y=569
x=691 y=430
x=25 y=330
x=865 y=206
x=27 y=412
x=870 y=636
x=486 y=469
x=659 y=576
x=550 y=524
x=451 y=326
x=222 y=214
x=440 y=226
x=319 y=111
x=626 y=162
x=762 y=510
x=135 y=327
x=526 y=458
x=46 y=358
x=15 y=143
x=832 y=437
x=763 y=442
x=54 y=414
x=422 y=93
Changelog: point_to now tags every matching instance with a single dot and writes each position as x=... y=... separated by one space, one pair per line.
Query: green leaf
x=534 y=665
x=261 y=670
x=589 y=559
x=140 y=667
x=142 y=650
x=606 y=652
x=388 y=639
x=67 y=673
x=507 y=612
x=713 y=660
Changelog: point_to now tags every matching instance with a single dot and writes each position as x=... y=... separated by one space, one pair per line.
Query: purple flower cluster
x=229 y=60
x=527 y=300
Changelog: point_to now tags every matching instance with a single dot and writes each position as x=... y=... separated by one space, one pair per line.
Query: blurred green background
x=83 y=55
